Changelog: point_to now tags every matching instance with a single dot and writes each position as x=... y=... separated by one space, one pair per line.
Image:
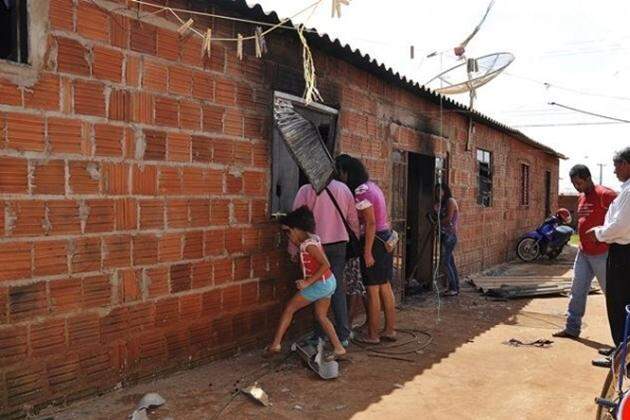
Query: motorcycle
x=549 y=239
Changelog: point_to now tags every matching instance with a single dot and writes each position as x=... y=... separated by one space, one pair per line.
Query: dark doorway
x=420 y=232
x=547 y=194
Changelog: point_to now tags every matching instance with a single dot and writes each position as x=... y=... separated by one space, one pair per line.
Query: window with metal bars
x=484 y=178
x=14 y=31
x=524 y=184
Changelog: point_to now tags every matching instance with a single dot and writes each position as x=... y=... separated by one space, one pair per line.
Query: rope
x=387 y=350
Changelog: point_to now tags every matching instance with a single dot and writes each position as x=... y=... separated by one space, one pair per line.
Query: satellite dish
x=471 y=75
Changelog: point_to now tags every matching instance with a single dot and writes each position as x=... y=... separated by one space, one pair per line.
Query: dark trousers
x=617 y=289
x=336 y=254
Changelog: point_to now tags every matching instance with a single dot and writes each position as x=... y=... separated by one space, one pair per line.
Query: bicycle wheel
x=608 y=393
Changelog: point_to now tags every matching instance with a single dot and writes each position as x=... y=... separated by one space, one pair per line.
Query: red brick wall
x=134 y=183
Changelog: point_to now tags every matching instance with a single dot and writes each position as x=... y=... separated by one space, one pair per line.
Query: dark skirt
x=383 y=269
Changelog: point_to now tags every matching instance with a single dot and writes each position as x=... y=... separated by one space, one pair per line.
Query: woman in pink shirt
x=377 y=262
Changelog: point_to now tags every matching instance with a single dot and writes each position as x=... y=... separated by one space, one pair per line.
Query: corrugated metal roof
x=364 y=61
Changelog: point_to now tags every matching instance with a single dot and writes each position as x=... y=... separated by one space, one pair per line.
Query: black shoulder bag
x=353 y=249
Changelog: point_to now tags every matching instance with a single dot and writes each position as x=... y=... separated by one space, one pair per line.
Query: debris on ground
x=314 y=357
x=148 y=402
x=258 y=394
x=513 y=287
x=541 y=343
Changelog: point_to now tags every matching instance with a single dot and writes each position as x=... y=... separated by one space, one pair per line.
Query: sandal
x=270 y=353
x=390 y=338
x=365 y=340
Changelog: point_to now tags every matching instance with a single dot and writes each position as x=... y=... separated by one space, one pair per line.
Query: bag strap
x=351 y=234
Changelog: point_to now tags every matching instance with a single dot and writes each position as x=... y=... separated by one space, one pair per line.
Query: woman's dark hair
x=301 y=218
x=357 y=174
x=580 y=171
x=447 y=194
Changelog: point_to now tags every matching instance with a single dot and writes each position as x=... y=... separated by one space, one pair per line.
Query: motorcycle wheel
x=554 y=254
x=528 y=249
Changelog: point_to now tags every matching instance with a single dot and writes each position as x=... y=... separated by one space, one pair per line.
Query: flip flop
x=389 y=338
x=365 y=340
x=270 y=353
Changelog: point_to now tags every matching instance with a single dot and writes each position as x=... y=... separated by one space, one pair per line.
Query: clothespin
x=336 y=6
x=261 y=44
x=185 y=26
x=207 y=43
x=239 y=46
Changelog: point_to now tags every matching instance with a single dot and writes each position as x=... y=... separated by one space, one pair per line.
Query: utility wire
x=581 y=111
x=569 y=124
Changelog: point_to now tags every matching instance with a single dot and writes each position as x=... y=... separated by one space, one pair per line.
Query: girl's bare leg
x=321 y=313
x=296 y=303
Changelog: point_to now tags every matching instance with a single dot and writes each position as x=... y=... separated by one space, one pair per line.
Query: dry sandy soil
x=467 y=371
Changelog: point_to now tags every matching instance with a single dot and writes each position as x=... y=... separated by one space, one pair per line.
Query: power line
x=581 y=111
x=574 y=124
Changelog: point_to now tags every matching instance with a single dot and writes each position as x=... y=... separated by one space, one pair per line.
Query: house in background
x=137 y=179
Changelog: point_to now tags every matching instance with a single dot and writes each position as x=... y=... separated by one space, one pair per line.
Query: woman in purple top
x=376 y=262
x=449 y=214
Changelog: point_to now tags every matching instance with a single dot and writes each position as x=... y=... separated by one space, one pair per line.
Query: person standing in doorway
x=615 y=231
x=590 y=261
x=377 y=261
x=449 y=215
x=330 y=228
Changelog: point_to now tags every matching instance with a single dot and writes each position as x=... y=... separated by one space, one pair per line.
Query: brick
x=222 y=271
x=10 y=94
x=193 y=245
x=155 y=145
x=181 y=277
x=63 y=217
x=243 y=153
x=132 y=71
x=92 y=22
x=145 y=250
x=86 y=255
x=44 y=94
x=117 y=251
x=177 y=214
x=67 y=136
x=61 y=14
x=190 y=115
x=170 y=248
x=190 y=47
x=178 y=147
x=15 y=260
x=201 y=149
x=251 y=238
x=51 y=257
x=48 y=337
x=220 y=212
x=261 y=155
x=67 y=95
x=97 y=367
x=63 y=374
x=26 y=385
x=244 y=96
x=142 y=105
x=143 y=37
x=157 y=279
x=97 y=291
x=115 y=178
x=234 y=183
x=170 y=181
x=152 y=350
x=166 y=311
x=154 y=76
x=225 y=91
x=253 y=127
x=223 y=151
x=194 y=181
x=217 y=59
x=130 y=287
x=234 y=240
x=240 y=211
x=242 y=268
x=201 y=274
x=141 y=317
x=233 y=123
x=126 y=214
x=4 y=305
x=199 y=213
x=203 y=86
x=119 y=31
x=190 y=307
x=72 y=57
x=231 y=298
x=108 y=64
x=151 y=214
x=120 y=105
x=179 y=80
x=49 y=177
x=25 y=132
x=167 y=45
x=89 y=98
x=213 y=118
x=101 y=216
x=214 y=181
x=13 y=175
x=166 y=112
x=108 y=140
x=27 y=301
x=65 y=295
x=144 y=180
x=83 y=330
x=85 y=177
x=249 y=294
x=214 y=242
x=211 y=303
x=25 y=218
x=254 y=182
x=13 y=345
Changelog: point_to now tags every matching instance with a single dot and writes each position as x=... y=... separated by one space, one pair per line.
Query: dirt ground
x=467 y=370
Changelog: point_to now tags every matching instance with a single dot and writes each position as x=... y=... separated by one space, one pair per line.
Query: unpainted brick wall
x=134 y=182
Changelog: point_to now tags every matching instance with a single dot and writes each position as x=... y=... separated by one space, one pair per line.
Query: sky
x=571 y=52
